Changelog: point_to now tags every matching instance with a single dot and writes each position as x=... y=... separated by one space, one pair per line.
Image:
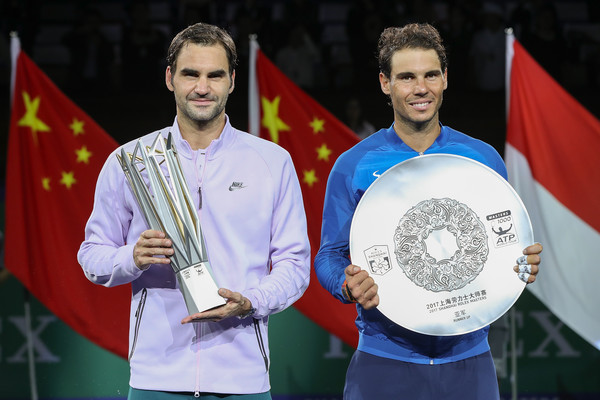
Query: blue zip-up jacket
x=354 y=171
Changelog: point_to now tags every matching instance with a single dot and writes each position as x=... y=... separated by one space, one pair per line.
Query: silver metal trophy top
x=168 y=207
x=440 y=234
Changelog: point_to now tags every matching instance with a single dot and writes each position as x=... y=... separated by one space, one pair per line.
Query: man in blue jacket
x=392 y=362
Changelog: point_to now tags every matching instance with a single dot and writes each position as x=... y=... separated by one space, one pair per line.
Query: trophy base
x=199 y=290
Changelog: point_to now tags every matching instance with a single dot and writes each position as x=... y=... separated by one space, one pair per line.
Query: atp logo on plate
x=502 y=224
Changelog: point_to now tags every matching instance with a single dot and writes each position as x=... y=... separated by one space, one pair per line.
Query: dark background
x=108 y=56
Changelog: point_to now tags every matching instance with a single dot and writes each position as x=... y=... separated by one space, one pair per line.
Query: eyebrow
x=401 y=75
x=406 y=74
x=188 y=71
x=219 y=72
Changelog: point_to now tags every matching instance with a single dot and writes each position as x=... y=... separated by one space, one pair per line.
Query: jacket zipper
x=200 y=178
x=261 y=344
x=199 y=327
x=138 y=320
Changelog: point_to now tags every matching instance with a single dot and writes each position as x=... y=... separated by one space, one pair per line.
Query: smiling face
x=201 y=84
x=415 y=86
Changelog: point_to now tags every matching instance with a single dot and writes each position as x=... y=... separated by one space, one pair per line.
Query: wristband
x=347 y=293
x=250 y=313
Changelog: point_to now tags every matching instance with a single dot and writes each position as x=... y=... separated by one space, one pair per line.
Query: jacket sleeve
x=289 y=249
x=105 y=255
x=334 y=253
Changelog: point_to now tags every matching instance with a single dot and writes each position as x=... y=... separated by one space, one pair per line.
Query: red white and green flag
x=552 y=148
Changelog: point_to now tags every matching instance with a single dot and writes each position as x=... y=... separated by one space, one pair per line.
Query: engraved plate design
x=412 y=252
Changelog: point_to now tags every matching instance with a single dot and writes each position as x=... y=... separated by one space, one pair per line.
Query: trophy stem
x=167 y=206
x=198 y=288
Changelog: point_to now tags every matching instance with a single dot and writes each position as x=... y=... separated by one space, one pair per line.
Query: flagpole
x=253 y=110
x=513 y=354
x=513 y=329
x=15 y=49
x=510 y=38
x=30 y=355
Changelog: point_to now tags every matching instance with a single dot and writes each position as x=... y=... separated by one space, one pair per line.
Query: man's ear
x=385 y=83
x=232 y=82
x=446 y=79
x=169 y=79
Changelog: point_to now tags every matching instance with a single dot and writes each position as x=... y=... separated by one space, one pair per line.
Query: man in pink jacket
x=250 y=207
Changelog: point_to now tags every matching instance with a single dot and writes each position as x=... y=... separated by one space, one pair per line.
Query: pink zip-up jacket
x=254 y=225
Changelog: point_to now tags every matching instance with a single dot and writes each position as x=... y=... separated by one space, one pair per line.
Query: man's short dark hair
x=204 y=35
x=411 y=36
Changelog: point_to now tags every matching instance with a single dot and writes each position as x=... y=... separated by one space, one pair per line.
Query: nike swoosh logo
x=236 y=185
x=376 y=175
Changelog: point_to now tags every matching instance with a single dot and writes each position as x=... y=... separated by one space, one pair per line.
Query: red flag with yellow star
x=280 y=111
x=55 y=153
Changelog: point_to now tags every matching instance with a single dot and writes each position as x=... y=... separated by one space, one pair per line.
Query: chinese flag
x=551 y=154
x=280 y=111
x=55 y=153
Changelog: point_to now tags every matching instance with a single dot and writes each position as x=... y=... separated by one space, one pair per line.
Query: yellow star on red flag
x=68 y=179
x=310 y=177
x=323 y=152
x=46 y=183
x=83 y=155
x=317 y=125
x=271 y=119
x=77 y=127
x=30 y=119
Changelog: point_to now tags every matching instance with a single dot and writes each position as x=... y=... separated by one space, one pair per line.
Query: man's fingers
x=152 y=238
x=155 y=243
x=368 y=285
x=524 y=276
x=214 y=314
x=193 y=318
x=528 y=259
x=230 y=295
x=141 y=251
x=152 y=247
x=527 y=273
x=527 y=278
x=524 y=268
x=354 y=283
x=369 y=292
x=535 y=248
x=352 y=270
x=151 y=253
x=371 y=303
x=528 y=264
x=364 y=289
x=151 y=233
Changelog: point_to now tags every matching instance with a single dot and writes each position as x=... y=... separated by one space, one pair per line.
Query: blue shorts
x=138 y=394
x=371 y=377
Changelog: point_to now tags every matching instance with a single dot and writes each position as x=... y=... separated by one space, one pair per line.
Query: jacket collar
x=394 y=139
x=213 y=150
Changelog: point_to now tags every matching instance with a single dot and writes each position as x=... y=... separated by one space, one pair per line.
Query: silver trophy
x=168 y=207
x=439 y=234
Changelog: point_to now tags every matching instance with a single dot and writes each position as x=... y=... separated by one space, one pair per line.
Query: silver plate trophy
x=440 y=235
x=168 y=207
